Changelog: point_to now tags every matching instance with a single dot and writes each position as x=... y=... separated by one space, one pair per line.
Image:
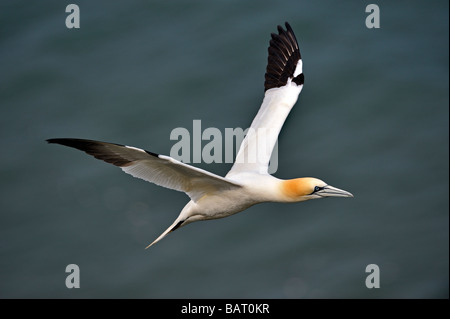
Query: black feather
x=284 y=55
x=100 y=150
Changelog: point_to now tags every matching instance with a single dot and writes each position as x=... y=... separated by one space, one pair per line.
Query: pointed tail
x=176 y=224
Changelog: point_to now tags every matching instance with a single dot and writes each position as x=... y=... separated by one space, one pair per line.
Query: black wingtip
x=101 y=150
x=56 y=140
x=284 y=55
x=73 y=142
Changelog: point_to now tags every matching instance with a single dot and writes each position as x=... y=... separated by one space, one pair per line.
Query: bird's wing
x=283 y=83
x=158 y=169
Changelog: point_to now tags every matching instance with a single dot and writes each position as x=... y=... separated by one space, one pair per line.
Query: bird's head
x=305 y=188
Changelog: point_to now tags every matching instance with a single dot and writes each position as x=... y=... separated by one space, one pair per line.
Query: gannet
x=248 y=182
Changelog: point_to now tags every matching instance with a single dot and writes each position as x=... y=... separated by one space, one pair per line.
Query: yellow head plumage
x=305 y=188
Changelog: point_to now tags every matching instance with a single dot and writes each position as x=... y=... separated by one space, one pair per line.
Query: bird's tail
x=176 y=224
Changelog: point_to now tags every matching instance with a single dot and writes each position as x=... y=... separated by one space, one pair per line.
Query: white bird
x=248 y=182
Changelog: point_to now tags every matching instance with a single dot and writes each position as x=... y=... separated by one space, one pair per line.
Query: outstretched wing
x=283 y=83
x=158 y=169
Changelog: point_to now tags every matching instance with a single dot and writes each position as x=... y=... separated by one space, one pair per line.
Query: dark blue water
x=373 y=119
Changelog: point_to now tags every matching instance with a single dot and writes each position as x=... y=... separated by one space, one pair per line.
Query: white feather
x=256 y=148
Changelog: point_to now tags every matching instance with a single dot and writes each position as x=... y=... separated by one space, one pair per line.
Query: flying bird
x=248 y=182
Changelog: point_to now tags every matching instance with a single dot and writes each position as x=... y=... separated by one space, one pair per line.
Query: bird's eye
x=317 y=188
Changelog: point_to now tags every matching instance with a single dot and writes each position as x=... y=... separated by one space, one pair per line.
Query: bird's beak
x=330 y=191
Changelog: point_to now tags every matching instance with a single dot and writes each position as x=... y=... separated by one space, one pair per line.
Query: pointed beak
x=330 y=191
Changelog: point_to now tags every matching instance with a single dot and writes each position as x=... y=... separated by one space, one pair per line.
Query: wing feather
x=158 y=169
x=283 y=83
